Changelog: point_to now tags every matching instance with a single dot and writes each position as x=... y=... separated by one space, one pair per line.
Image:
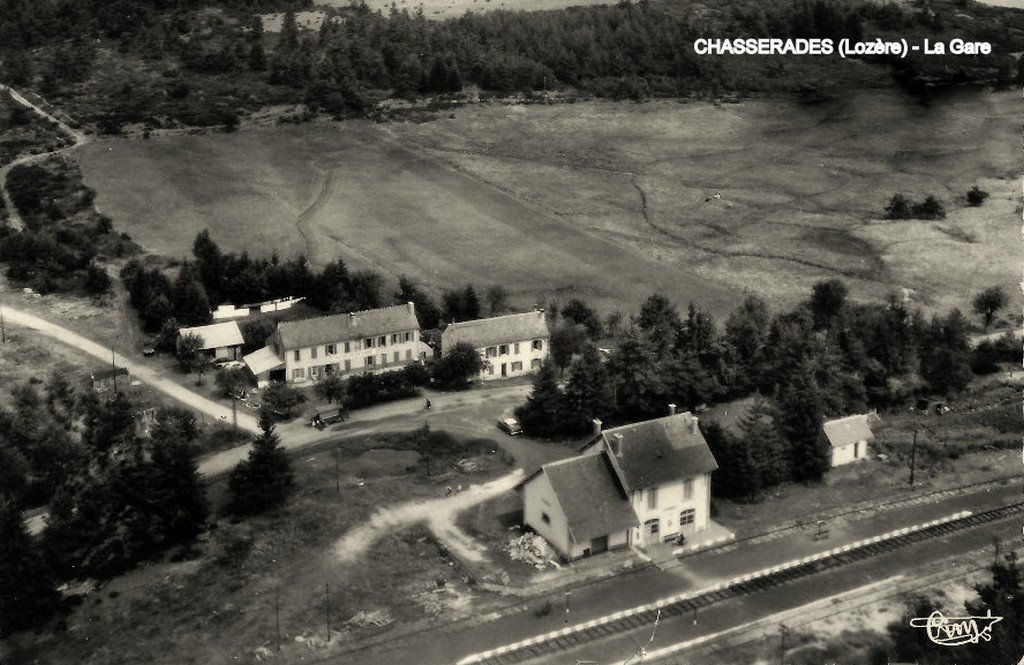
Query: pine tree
x=29 y=594
x=762 y=437
x=470 y=303
x=176 y=489
x=801 y=414
x=264 y=480
x=588 y=392
x=543 y=411
x=257 y=54
x=639 y=383
x=191 y=306
x=210 y=264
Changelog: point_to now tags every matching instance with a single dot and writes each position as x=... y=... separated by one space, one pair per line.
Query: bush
x=976 y=196
x=369 y=389
x=416 y=374
x=282 y=399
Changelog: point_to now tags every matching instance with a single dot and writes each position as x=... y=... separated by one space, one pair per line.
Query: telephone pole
x=782 y=643
x=277 y=614
x=913 y=455
x=327 y=608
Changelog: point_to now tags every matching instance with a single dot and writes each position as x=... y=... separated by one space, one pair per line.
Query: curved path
x=438 y=514
x=77 y=137
x=140 y=371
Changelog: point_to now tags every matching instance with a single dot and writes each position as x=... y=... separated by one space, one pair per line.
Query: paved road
x=78 y=138
x=448 y=644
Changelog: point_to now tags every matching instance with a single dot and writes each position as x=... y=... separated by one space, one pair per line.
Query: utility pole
x=277 y=614
x=113 y=368
x=997 y=543
x=782 y=643
x=327 y=608
x=337 y=473
x=913 y=455
x=567 y=593
x=234 y=413
x=3 y=329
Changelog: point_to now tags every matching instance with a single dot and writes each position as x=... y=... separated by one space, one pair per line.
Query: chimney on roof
x=412 y=307
x=616 y=442
x=352 y=319
x=671 y=409
x=597 y=425
x=693 y=424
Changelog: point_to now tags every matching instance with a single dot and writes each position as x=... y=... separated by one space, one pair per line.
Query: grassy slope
x=801 y=185
x=373 y=202
x=547 y=199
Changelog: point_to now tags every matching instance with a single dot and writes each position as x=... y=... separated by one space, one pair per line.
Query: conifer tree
x=29 y=595
x=801 y=413
x=543 y=411
x=264 y=480
x=588 y=392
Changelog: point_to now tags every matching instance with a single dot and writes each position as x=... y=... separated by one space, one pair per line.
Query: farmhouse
x=636 y=485
x=220 y=340
x=374 y=340
x=512 y=345
x=849 y=437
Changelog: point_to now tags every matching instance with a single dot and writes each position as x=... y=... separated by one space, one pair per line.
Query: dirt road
x=78 y=138
x=142 y=372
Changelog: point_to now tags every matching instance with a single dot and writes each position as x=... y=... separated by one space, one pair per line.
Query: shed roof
x=216 y=335
x=348 y=326
x=658 y=451
x=590 y=496
x=263 y=360
x=497 y=330
x=844 y=431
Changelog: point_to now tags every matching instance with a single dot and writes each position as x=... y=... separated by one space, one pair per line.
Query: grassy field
x=346 y=190
x=610 y=201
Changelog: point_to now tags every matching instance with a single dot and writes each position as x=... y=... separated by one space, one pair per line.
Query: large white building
x=513 y=345
x=375 y=340
x=636 y=485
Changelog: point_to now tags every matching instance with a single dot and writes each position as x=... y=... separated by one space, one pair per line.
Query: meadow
x=605 y=200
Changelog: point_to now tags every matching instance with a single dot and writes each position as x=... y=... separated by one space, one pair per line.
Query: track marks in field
x=302 y=221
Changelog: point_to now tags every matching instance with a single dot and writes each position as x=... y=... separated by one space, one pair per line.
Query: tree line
x=358 y=56
x=64 y=239
x=117 y=493
x=827 y=357
x=213 y=277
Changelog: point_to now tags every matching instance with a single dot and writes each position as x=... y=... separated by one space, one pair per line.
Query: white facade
x=672 y=509
x=851 y=452
x=543 y=514
x=514 y=359
x=378 y=353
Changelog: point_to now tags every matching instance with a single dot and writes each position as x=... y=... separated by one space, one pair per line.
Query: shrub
x=976 y=196
x=282 y=399
x=369 y=389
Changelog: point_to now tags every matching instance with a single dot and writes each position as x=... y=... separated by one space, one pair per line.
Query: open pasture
x=768 y=195
x=609 y=201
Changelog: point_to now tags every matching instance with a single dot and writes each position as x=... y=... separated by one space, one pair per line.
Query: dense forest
x=168 y=62
x=826 y=357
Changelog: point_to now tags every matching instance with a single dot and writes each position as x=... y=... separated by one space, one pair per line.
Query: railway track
x=630 y=620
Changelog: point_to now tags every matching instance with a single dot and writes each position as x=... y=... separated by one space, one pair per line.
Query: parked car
x=510 y=426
